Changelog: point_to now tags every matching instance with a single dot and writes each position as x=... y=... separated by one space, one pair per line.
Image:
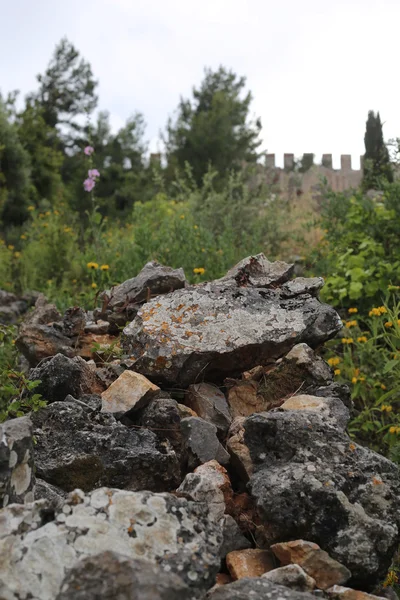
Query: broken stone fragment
x=338 y=592
x=17 y=478
x=130 y=392
x=201 y=442
x=210 y=404
x=256 y=588
x=60 y=376
x=244 y=399
x=250 y=562
x=239 y=452
x=302 y=285
x=209 y=483
x=154 y=279
x=45 y=491
x=178 y=535
x=258 y=271
x=222 y=328
x=233 y=538
x=77 y=447
x=315 y=562
x=162 y=416
x=74 y=321
x=98 y=327
x=291 y=576
x=112 y=575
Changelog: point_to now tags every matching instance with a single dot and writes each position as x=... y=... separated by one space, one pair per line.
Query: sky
x=315 y=67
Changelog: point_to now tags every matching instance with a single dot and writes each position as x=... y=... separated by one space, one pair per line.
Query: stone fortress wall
x=290 y=181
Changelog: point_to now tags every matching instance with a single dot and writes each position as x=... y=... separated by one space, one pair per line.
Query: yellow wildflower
x=49 y=281
x=104 y=267
x=347 y=341
x=17 y=254
x=361 y=378
x=74 y=281
x=10 y=247
x=92 y=265
x=336 y=371
x=47 y=213
x=386 y=408
x=383 y=386
x=45 y=224
x=392 y=429
x=195 y=226
x=67 y=229
x=391 y=578
x=335 y=360
x=398 y=322
x=199 y=271
x=56 y=213
x=354 y=380
x=182 y=216
x=352 y=311
x=94 y=285
x=349 y=324
x=389 y=324
x=31 y=207
x=362 y=339
x=377 y=312
x=23 y=236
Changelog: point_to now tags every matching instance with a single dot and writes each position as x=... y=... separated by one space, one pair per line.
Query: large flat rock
x=224 y=327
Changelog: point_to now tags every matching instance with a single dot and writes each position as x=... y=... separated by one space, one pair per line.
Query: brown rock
x=88 y=341
x=343 y=593
x=130 y=392
x=185 y=411
x=316 y=562
x=244 y=399
x=249 y=563
x=239 y=452
x=291 y=576
x=222 y=579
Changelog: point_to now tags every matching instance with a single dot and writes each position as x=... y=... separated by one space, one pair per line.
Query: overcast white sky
x=315 y=67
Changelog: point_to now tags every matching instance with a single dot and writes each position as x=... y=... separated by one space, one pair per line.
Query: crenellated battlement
x=289 y=161
x=291 y=179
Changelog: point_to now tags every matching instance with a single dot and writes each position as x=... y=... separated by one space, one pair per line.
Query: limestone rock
x=178 y=535
x=256 y=588
x=111 y=575
x=209 y=483
x=302 y=285
x=250 y=562
x=45 y=491
x=310 y=480
x=224 y=327
x=233 y=538
x=316 y=562
x=154 y=279
x=201 y=442
x=291 y=576
x=258 y=271
x=338 y=592
x=239 y=452
x=130 y=392
x=98 y=327
x=79 y=447
x=17 y=478
x=210 y=404
x=60 y=376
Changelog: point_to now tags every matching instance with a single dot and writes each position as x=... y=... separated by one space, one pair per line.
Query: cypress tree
x=377 y=167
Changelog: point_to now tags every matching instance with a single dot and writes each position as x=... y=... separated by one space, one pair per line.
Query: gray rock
x=113 y=576
x=291 y=576
x=302 y=285
x=201 y=442
x=256 y=588
x=45 y=491
x=17 y=477
x=258 y=271
x=79 y=447
x=60 y=376
x=163 y=418
x=311 y=481
x=74 y=321
x=178 y=535
x=210 y=404
x=233 y=538
x=12 y=307
x=222 y=328
x=154 y=279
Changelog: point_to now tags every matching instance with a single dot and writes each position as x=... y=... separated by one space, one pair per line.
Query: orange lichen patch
x=377 y=481
x=180 y=307
x=189 y=333
x=161 y=361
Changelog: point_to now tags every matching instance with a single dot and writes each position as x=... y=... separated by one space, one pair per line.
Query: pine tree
x=377 y=167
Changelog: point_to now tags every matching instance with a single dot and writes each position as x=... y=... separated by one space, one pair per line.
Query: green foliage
x=213 y=127
x=367 y=358
x=17 y=395
x=377 y=167
x=15 y=169
x=359 y=255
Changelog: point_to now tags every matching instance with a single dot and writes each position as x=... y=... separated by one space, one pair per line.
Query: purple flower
x=89 y=184
x=88 y=150
x=93 y=173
